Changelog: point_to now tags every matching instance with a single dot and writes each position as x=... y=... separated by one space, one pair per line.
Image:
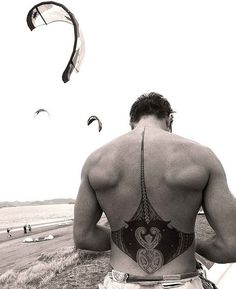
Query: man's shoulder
x=103 y=165
x=107 y=150
x=192 y=146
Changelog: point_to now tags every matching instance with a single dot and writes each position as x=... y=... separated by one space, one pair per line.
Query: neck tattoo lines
x=146 y=238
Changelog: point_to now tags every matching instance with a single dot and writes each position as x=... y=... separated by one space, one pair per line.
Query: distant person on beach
x=29 y=227
x=25 y=229
x=151 y=183
x=8 y=232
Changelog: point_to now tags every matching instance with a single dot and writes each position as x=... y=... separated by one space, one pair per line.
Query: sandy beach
x=18 y=255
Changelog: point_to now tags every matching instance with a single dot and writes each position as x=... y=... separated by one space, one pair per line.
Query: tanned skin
x=180 y=176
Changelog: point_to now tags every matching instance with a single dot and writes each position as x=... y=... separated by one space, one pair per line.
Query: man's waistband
x=129 y=278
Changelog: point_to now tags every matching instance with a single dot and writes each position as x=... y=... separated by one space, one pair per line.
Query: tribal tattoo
x=146 y=238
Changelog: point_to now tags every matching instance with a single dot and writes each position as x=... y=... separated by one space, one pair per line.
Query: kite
x=92 y=118
x=41 y=110
x=47 y=12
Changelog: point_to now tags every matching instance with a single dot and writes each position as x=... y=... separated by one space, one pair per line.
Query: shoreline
x=17 y=232
x=37 y=225
x=42 y=228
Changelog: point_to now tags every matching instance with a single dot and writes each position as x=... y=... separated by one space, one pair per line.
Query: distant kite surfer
x=8 y=232
x=25 y=229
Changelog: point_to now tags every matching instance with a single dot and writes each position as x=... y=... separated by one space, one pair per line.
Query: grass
x=70 y=269
x=73 y=266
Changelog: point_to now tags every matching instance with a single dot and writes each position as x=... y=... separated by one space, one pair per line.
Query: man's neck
x=151 y=121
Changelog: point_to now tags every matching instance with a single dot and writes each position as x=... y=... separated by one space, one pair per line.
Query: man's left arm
x=88 y=234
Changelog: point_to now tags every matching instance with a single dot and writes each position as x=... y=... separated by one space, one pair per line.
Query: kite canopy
x=41 y=110
x=93 y=118
x=47 y=12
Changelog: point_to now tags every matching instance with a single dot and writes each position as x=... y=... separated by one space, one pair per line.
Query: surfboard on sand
x=38 y=239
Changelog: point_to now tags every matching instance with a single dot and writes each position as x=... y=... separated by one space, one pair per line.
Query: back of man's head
x=150 y=104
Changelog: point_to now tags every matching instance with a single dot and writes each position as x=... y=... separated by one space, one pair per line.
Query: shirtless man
x=150 y=183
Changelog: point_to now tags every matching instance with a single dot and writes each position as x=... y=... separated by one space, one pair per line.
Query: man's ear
x=131 y=123
x=169 y=121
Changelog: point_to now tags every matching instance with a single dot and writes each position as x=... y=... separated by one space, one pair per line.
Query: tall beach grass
x=49 y=266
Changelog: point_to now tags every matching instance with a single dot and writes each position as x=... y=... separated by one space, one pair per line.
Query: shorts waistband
x=123 y=277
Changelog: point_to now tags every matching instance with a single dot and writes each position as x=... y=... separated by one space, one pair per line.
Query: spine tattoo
x=146 y=238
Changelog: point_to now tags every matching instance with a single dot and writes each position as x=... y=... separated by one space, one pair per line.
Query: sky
x=184 y=50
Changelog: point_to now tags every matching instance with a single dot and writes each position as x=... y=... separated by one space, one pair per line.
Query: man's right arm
x=220 y=210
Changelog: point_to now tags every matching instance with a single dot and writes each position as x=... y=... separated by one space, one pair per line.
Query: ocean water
x=17 y=217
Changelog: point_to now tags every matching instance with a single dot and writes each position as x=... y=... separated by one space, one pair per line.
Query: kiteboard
x=38 y=239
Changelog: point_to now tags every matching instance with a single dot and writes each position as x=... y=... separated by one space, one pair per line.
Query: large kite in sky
x=47 y=12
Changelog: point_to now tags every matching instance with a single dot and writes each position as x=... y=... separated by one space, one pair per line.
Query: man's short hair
x=150 y=104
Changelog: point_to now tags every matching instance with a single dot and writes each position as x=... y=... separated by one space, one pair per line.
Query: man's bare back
x=151 y=183
x=174 y=175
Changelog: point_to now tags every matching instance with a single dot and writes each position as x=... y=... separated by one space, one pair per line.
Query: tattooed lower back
x=146 y=238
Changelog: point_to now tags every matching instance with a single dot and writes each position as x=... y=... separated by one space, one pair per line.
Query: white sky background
x=184 y=50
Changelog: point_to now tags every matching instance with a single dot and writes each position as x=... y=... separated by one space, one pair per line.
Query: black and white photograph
x=117 y=152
